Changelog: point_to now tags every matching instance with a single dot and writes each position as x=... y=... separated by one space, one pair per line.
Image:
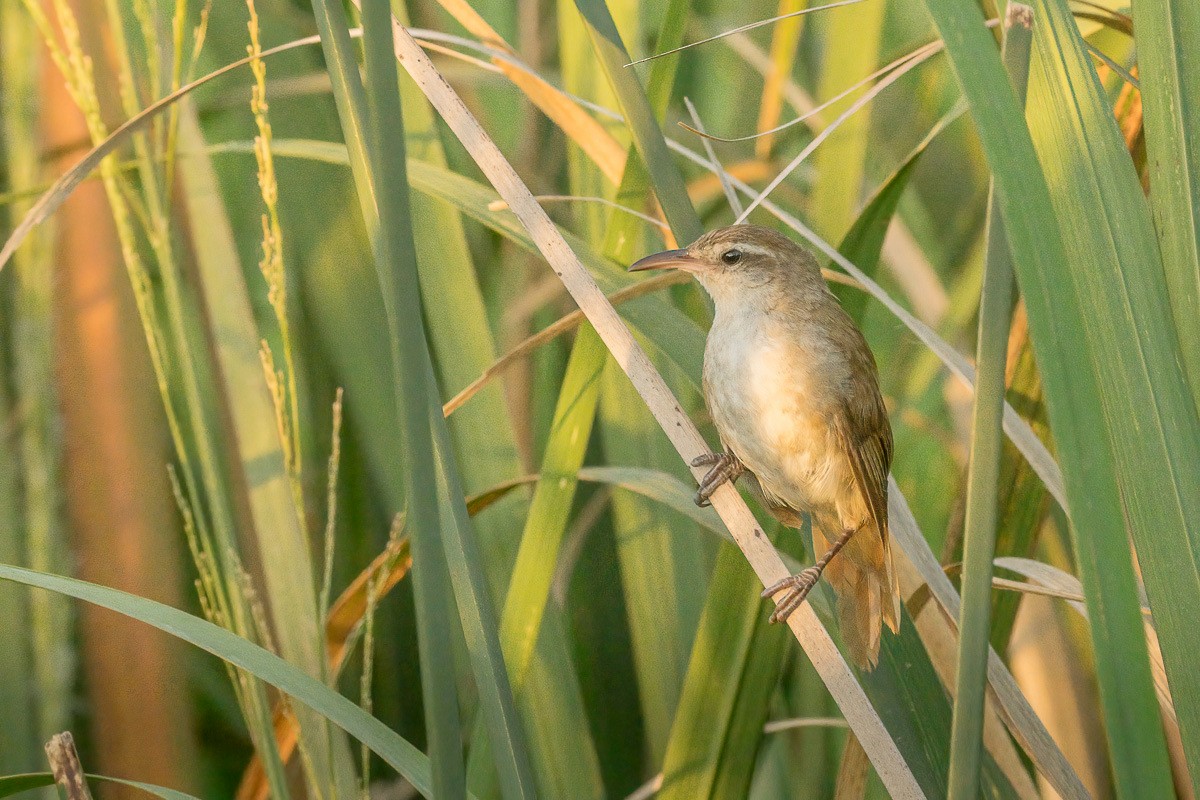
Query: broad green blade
x=1168 y=58
x=1151 y=416
x=1077 y=397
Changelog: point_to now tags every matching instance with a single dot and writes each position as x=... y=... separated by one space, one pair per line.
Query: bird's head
x=738 y=260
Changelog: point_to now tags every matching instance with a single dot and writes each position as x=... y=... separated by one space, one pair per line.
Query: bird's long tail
x=864 y=579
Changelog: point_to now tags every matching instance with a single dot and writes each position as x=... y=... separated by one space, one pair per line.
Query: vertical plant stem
x=396 y=266
x=987 y=440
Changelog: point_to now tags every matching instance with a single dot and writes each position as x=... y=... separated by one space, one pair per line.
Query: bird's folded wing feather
x=868 y=438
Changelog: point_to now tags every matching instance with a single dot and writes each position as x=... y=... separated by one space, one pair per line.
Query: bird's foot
x=798 y=586
x=724 y=467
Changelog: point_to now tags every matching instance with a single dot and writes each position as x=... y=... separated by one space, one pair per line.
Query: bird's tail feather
x=864 y=579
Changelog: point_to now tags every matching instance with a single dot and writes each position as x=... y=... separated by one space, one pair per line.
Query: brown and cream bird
x=793 y=390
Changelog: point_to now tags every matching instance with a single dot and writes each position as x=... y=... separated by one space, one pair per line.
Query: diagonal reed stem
x=679 y=429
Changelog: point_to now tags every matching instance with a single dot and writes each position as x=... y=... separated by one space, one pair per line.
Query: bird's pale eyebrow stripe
x=750 y=248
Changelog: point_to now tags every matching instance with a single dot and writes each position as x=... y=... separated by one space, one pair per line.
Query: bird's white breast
x=768 y=387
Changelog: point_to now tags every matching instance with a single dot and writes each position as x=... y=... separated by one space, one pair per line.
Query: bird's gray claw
x=725 y=467
x=798 y=586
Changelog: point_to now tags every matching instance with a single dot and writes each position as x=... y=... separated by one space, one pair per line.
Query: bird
x=793 y=391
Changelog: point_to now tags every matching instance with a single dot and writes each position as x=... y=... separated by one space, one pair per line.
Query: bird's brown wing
x=867 y=436
x=871 y=592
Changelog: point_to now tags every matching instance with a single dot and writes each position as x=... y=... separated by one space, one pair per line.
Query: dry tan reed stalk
x=813 y=637
x=64 y=764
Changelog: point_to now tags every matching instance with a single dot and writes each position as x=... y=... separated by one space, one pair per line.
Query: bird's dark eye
x=731 y=257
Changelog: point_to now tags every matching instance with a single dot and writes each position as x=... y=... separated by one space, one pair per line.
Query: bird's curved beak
x=668 y=259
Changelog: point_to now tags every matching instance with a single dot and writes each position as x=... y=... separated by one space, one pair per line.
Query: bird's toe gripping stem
x=723 y=467
x=798 y=586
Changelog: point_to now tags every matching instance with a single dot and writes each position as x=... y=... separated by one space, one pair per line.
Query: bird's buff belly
x=787 y=444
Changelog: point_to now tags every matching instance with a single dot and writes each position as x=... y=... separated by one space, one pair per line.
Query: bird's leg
x=724 y=467
x=799 y=585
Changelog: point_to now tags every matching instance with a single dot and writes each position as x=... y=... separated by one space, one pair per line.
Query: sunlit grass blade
x=841 y=160
x=537 y=559
x=785 y=44
x=1168 y=39
x=665 y=178
x=987 y=438
x=732 y=637
x=282 y=541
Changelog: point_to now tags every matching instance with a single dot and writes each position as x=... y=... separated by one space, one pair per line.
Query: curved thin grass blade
x=268 y=667
x=16 y=784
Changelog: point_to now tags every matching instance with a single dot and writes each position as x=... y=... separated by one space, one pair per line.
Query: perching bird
x=793 y=390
